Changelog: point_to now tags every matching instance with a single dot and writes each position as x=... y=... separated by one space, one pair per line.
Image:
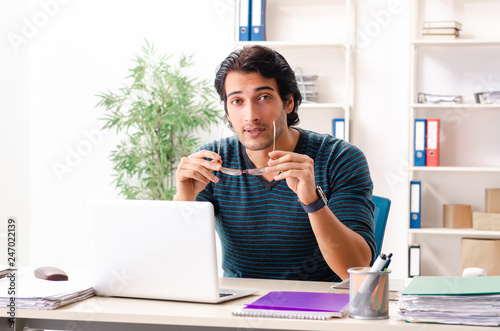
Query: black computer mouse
x=50 y=273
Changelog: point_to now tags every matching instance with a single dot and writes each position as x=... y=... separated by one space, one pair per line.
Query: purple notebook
x=302 y=301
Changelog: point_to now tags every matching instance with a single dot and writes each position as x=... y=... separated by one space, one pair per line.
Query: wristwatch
x=315 y=206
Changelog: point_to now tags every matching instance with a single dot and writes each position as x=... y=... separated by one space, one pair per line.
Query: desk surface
x=156 y=312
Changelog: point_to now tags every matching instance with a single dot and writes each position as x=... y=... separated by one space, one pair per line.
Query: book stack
x=441 y=29
x=451 y=300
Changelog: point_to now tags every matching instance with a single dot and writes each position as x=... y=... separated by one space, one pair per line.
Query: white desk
x=99 y=313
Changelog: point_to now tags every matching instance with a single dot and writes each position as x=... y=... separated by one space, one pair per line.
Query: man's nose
x=252 y=113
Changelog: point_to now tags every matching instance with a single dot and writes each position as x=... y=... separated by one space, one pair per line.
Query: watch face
x=321 y=194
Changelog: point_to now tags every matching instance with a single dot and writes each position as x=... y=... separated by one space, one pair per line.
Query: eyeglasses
x=239 y=172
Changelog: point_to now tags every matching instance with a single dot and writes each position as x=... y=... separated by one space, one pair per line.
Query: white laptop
x=156 y=250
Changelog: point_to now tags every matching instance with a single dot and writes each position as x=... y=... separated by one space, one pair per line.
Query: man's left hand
x=298 y=171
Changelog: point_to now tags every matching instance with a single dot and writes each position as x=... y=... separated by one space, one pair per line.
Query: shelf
x=311 y=105
x=456 y=169
x=456 y=232
x=455 y=105
x=456 y=42
x=292 y=44
x=468 y=134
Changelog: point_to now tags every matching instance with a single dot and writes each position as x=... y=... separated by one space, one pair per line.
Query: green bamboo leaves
x=157 y=116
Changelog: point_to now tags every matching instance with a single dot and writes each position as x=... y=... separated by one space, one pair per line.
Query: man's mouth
x=254 y=130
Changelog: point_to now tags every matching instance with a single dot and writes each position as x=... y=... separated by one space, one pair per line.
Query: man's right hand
x=194 y=173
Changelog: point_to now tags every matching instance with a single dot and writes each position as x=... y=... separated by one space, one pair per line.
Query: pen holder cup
x=368 y=293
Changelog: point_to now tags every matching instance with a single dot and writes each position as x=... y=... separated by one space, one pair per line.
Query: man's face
x=253 y=103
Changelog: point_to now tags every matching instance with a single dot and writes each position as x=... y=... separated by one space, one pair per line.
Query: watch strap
x=318 y=204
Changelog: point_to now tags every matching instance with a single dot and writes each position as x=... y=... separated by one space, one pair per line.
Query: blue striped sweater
x=264 y=231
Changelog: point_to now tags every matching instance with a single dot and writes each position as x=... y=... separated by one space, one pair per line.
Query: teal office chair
x=381 y=213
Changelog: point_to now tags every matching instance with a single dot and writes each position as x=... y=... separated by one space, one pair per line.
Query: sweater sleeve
x=351 y=190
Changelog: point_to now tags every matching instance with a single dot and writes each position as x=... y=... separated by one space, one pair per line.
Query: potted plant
x=158 y=114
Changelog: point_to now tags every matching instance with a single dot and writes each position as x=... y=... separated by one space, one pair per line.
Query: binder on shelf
x=419 y=142
x=432 y=157
x=338 y=128
x=245 y=16
x=258 y=20
x=414 y=260
x=415 y=204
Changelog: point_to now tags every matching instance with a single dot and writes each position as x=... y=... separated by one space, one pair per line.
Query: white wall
x=379 y=125
x=14 y=134
x=80 y=48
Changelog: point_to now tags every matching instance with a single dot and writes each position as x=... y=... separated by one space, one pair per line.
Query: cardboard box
x=481 y=253
x=485 y=221
x=492 y=200
x=457 y=216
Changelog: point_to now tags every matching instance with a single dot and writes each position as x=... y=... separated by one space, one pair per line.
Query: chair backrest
x=381 y=213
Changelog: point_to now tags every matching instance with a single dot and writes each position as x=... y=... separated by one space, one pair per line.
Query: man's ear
x=229 y=124
x=289 y=104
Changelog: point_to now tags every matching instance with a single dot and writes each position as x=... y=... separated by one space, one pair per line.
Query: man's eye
x=265 y=97
x=235 y=102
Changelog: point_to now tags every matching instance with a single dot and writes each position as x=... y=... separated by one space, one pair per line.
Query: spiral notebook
x=298 y=305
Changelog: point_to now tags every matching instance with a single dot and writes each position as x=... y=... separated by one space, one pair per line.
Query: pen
x=378 y=265
x=378 y=304
x=387 y=262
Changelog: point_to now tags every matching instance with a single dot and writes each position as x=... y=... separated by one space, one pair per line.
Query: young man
x=309 y=215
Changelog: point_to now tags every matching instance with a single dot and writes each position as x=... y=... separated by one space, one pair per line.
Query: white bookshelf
x=322 y=30
x=292 y=44
x=457 y=42
x=457 y=106
x=455 y=169
x=455 y=232
x=469 y=142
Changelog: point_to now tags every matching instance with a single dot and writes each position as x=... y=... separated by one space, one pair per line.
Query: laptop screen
x=153 y=249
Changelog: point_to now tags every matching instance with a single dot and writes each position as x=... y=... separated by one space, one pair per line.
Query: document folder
x=414 y=260
x=432 y=157
x=258 y=28
x=339 y=128
x=419 y=142
x=244 y=28
x=439 y=285
x=415 y=204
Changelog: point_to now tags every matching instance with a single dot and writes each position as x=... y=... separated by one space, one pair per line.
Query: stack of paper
x=452 y=300
x=33 y=293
